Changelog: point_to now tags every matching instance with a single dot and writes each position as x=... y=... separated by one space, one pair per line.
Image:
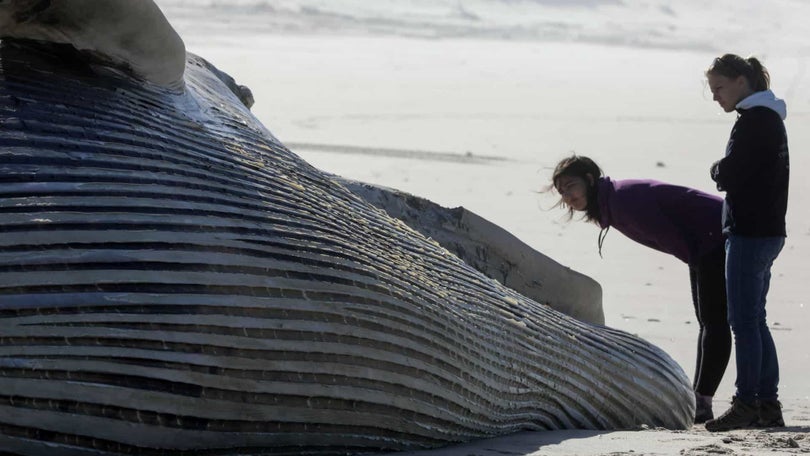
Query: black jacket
x=754 y=174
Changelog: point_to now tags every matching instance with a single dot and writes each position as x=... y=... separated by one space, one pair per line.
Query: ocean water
x=743 y=26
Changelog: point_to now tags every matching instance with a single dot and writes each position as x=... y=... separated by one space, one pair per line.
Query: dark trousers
x=708 y=278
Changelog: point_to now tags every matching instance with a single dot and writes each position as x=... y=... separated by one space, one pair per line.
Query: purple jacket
x=677 y=220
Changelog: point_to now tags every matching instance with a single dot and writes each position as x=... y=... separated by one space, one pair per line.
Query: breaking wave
x=686 y=24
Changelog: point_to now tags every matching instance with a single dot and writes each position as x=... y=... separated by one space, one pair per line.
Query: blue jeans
x=748 y=276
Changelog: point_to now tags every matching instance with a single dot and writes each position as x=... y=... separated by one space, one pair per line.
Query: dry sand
x=694 y=442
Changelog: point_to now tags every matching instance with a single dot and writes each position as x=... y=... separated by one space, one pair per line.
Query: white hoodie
x=767 y=99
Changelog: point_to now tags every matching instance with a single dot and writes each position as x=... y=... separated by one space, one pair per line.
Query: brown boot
x=770 y=414
x=739 y=416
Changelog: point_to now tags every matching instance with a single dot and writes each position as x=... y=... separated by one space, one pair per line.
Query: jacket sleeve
x=745 y=153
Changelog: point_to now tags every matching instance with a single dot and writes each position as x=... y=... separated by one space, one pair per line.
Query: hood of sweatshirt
x=767 y=99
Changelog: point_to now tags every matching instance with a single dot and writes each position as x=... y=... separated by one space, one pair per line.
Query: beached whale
x=174 y=281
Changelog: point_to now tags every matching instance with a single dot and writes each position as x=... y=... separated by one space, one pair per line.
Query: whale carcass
x=174 y=281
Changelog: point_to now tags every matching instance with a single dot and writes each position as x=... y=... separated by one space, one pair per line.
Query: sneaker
x=770 y=414
x=739 y=416
x=703 y=408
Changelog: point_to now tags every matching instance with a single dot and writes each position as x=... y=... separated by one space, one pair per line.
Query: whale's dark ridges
x=174 y=281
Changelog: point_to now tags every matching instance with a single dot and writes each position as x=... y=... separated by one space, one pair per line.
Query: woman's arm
x=747 y=150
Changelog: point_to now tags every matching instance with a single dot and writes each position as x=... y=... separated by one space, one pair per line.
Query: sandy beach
x=478 y=122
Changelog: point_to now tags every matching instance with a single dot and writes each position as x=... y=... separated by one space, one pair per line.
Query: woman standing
x=680 y=221
x=754 y=175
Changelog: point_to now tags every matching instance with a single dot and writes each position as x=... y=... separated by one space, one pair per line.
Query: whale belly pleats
x=174 y=281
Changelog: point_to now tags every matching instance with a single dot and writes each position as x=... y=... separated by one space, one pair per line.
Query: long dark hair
x=733 y=66
x=579 y=166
